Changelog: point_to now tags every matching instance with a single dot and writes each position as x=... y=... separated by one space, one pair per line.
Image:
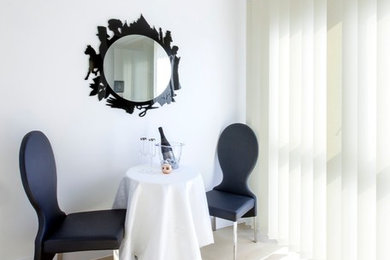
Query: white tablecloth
x=167 y=215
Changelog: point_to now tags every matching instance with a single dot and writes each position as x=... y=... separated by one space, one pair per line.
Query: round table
x=167 y=214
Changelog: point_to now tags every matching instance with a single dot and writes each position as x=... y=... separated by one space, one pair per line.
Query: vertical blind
x=318 y=97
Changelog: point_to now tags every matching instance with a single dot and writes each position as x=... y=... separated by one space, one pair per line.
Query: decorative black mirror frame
x=102 y=89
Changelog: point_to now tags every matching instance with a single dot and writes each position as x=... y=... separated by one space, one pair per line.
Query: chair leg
x=115 y=254
x=235 y=240
x=214 y=223
x=254 y=230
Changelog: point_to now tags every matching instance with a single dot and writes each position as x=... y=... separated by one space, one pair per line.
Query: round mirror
x=137 y=68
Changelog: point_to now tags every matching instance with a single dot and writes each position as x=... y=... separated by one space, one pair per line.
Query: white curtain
x=318 y=97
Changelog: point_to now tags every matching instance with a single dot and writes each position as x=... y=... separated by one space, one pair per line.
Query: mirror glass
x=137 y=68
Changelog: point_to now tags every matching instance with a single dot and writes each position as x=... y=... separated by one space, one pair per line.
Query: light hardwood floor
x=222 y=249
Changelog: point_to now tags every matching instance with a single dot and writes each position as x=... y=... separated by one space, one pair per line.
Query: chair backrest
x=237 y=154
x=39 y=178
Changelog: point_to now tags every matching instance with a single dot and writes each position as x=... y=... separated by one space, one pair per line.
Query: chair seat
x=94 y=230
x=228 y=205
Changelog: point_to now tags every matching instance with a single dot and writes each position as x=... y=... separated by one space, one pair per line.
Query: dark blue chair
x=237 y=152
x=59 y=232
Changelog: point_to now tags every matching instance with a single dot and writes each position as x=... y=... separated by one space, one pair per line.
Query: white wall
x=42 y=67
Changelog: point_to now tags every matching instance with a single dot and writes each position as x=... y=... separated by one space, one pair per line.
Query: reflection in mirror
x=137 y=68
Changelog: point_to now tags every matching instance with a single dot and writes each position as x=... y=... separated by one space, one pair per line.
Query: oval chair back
x=38 y=169
x=237 y=154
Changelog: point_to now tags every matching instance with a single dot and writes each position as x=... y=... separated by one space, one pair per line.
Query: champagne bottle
x=166 y=150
